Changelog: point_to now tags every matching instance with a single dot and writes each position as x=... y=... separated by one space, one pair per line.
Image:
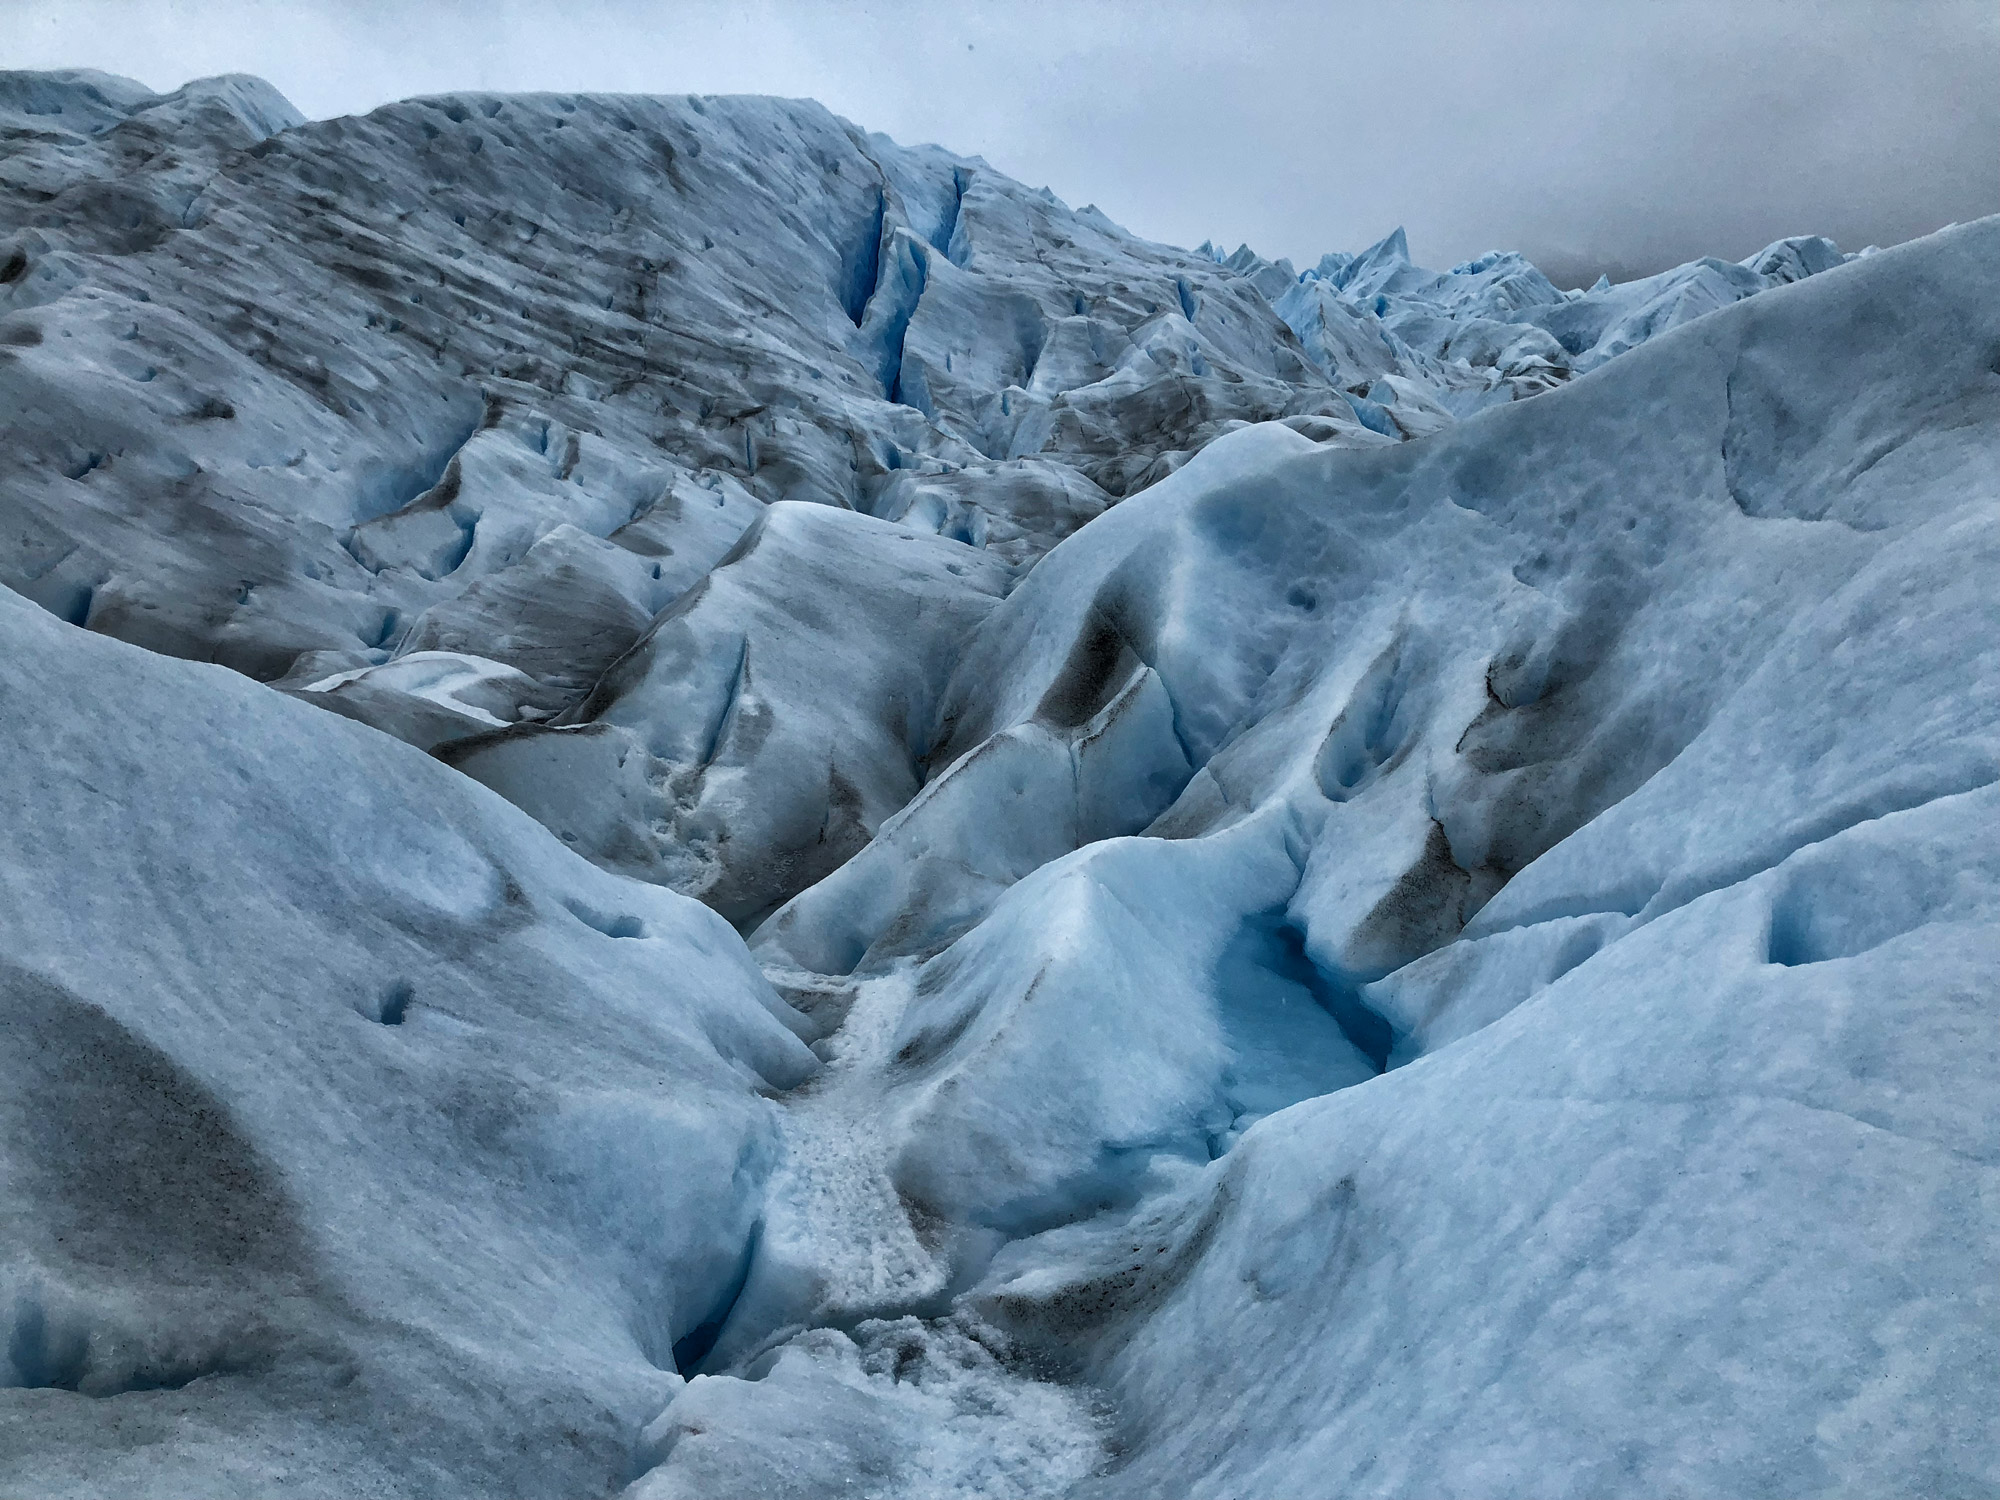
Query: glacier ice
x=700 y=806
x=338 y=1091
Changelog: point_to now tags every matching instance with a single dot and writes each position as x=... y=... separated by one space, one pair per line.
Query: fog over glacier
x=698 y=805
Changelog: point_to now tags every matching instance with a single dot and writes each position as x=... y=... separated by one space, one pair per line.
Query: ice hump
x=695 y=806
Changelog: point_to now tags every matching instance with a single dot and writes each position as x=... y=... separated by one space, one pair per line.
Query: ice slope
x=503 y=378
x=455 y=399
x=275 y=387
x=1411 y=350
x=1617 y=771
x=1322 y=927
x=358 y=1138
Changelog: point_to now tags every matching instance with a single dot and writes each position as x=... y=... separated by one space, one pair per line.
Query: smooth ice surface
x=338 y=1093
x=1271 y=916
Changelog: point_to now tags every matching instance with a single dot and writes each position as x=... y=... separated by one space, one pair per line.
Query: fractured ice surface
x=1049 y=865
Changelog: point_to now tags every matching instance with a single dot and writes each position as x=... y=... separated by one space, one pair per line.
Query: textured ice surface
x=1280 y=919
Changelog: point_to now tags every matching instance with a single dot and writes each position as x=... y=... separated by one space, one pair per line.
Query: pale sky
x=1629 y=134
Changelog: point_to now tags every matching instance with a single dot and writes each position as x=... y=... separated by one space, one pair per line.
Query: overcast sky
x=1628 y=134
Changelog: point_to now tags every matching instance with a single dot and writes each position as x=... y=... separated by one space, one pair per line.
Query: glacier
x=699 y=806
